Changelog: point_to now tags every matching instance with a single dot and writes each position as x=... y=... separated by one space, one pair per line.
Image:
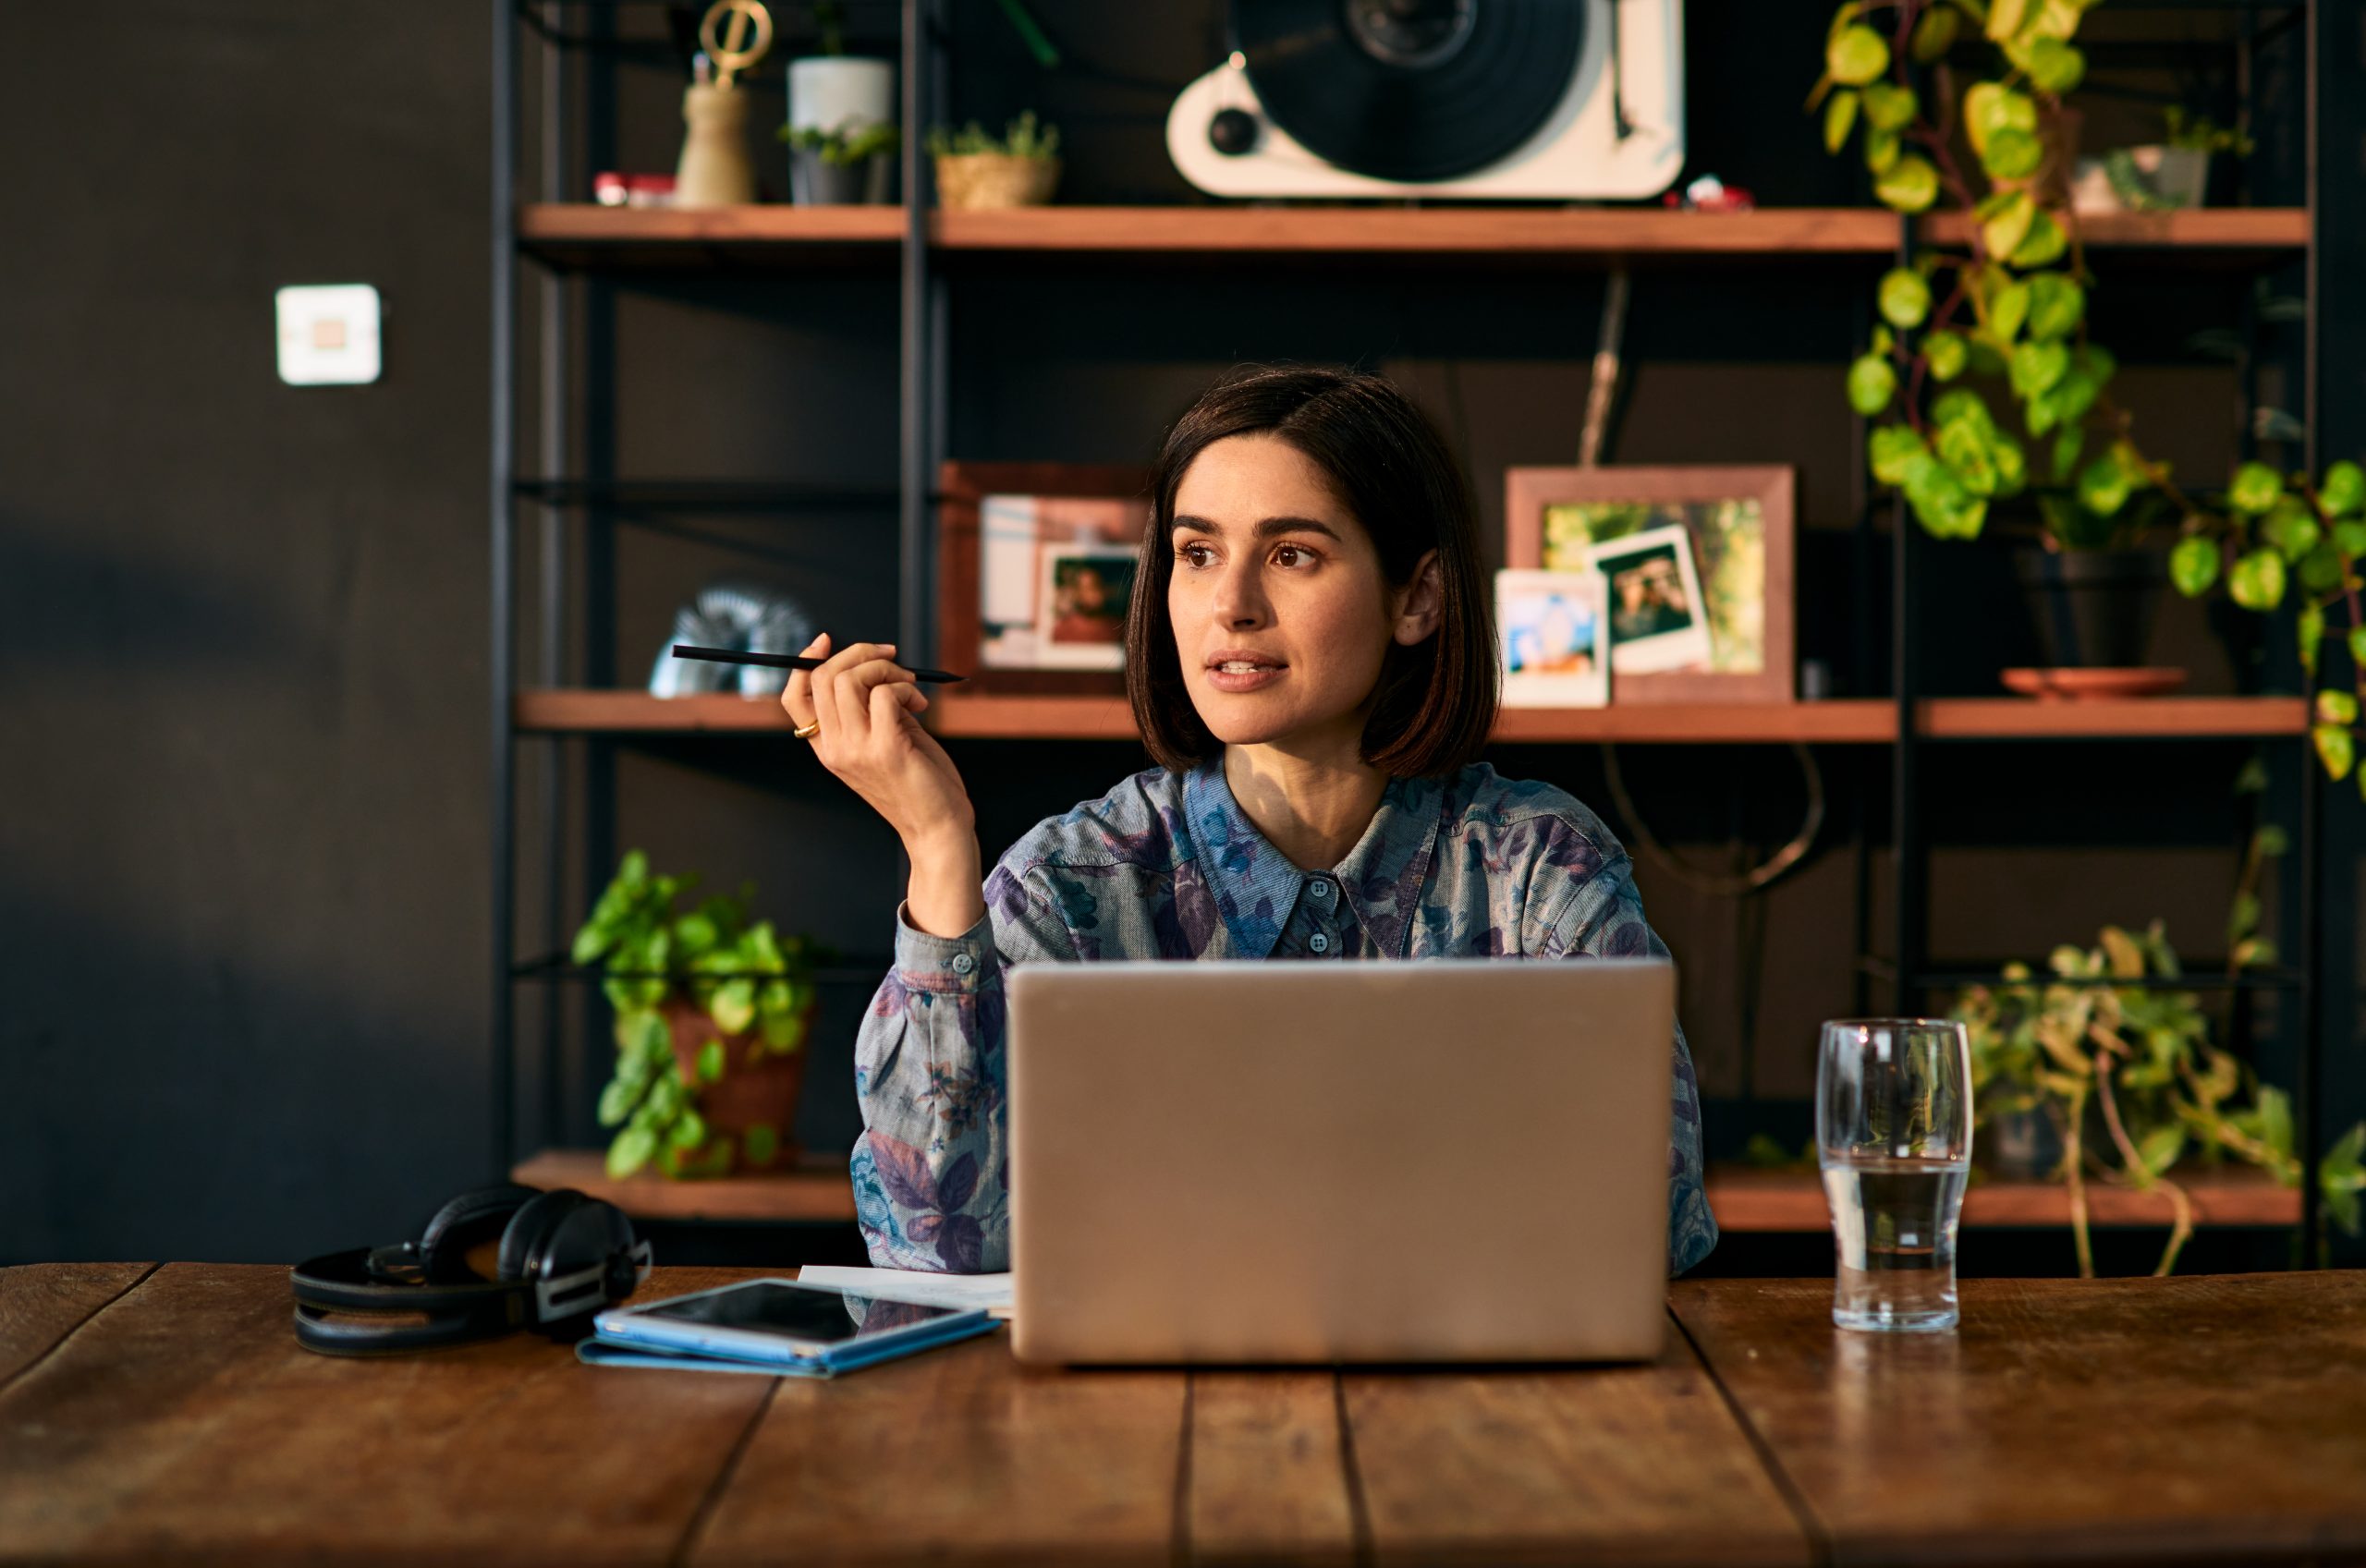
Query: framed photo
x=1035 y=570
x=1657 y=620
x=1739 y=524
x=1554 y=632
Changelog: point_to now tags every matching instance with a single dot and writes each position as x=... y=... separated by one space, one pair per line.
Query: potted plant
x=1982 y=381
x=711 y=1016
x=974 y=170
x=834 y=100
x=2158 y=176
x=2126 y=1083
x=846 y=164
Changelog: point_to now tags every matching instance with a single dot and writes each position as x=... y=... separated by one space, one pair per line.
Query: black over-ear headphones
x=560 y=1256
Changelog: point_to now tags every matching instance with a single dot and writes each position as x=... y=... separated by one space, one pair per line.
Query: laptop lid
x=1443 y=1161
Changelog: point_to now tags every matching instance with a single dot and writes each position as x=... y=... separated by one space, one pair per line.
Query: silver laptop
x=1331 y=1162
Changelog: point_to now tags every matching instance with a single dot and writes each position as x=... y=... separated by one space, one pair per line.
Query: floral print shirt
x=1167 y=866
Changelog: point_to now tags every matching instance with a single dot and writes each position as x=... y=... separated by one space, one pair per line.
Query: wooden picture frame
x=962 y=489
x=1683 y=494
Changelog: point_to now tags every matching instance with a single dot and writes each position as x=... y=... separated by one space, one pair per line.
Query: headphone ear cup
x=526 y=1241
x=462 y=1223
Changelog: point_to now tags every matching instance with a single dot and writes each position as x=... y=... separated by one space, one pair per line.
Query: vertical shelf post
x=503 y=457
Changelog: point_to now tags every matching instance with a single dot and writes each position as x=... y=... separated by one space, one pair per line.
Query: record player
x=1511 y=99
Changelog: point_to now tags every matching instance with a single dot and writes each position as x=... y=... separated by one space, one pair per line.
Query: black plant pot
x=2093 y=609
x=815 y=183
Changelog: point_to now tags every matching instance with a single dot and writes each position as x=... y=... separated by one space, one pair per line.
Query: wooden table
x=166 y=1415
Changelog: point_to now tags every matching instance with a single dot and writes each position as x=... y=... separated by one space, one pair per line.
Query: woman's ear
x=1423 y=604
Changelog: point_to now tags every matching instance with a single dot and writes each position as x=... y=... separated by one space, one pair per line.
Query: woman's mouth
x=1243 y=674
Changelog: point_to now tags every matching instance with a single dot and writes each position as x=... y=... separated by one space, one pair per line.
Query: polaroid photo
x=1657 y=618
x=1553 y=632
x=1081 y=607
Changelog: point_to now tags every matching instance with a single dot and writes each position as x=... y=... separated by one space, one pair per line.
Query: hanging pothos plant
x=1999 y=322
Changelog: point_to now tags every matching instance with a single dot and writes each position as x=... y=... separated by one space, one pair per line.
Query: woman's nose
x=1240 y=599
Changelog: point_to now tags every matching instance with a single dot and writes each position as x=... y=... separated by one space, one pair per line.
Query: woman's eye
x=1194 y=555
x=1292 y=555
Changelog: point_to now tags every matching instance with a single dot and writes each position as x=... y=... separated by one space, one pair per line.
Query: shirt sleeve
x=1601 y=917
x=932 y=1169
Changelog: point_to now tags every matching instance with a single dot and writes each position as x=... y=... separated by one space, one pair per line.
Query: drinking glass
x=1893 y=1133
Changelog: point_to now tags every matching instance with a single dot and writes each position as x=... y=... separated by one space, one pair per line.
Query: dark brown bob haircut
x=1434 y=703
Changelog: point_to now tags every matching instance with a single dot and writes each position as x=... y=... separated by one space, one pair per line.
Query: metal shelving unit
x=572 y=240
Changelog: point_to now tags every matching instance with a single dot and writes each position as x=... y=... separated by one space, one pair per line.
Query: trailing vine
x=2003 y=314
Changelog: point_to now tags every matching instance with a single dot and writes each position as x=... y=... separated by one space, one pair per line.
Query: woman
x=1310 y=659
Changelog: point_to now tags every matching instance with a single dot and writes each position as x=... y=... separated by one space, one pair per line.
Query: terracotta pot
x=969 y=180
x=758 y=1087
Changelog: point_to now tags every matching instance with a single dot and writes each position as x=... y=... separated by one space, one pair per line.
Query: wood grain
x=817 y=1191
x=1607 y=1465
x=2136 y=1421
x=185 y=1425
x=43 y=1303
x=958 y=1454
x=1267 y=1476
x=1780 y=1200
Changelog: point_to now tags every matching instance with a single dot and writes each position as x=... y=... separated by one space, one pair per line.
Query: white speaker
x=1358 y=76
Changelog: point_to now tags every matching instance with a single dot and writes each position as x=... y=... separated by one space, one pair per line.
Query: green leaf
x=2011 y=154
x=2012 y=463
x=1905 y=298
x=2321 y=568
x=1989 y=107
x=1839 y=115
x=2349 y=538
x=2004 y=17
x=618 y=1100
x=1855 y=55
x=2074 y=394
x=2193 y=564
x=2057 y=305
x=2103 y=484
x=2271 y=840
x=734 y=1007
x=2336 y=747
x=1935 y=35
x=690 y=1132
x=2254 y=489
x=1889 y=106
x=2160 y=1147
x=1944 y=352
x=2036 y=367
x=2358 y=645
x=2005 y=229
x=1872 y=384
x=1888 y=449
x=2256 y=581
x=633 y=870
x=2068 y=447
x=2343 y=492
x=2337 y=707
x=694 y=934
x=2053 y=65
x=760 y=1143
x=2291 y=527
x=630 y=1151
x=2042 y=245
x=2008 y=310
x=710 y=1061
x=2242 y=918
x=1965 y=450
x=1962 y=403
x=1910 y=186
x=1882 y=150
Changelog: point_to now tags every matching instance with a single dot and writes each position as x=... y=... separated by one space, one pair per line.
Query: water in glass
x=1895 y=1221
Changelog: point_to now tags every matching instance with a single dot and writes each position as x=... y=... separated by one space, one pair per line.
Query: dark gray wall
x=243 y=839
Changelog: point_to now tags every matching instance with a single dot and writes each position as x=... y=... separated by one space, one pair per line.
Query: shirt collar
x=1256 y=886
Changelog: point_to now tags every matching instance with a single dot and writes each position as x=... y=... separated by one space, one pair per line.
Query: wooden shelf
x=1747 y=1200
x=1846 y=721
x=817 y=1190
x=579 y=235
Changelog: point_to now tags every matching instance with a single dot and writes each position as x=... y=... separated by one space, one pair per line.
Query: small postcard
x=1657 y=616
x=1081 y=607
x=1555 y=636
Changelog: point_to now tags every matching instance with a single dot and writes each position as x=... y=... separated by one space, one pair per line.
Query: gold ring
x=807 y=732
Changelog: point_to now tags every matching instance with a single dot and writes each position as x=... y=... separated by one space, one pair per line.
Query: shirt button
x=1319 y=943
x=1321 y=890
x=963 y=962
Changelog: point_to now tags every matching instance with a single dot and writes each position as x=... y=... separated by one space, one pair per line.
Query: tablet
x=782 y=1320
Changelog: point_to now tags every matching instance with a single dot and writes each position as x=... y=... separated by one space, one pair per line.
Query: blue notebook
x=602 y=1351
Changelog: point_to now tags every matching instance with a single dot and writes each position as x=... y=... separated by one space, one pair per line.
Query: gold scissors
x=732 y=54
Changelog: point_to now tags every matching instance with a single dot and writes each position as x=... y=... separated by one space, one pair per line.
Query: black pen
x=789 y=661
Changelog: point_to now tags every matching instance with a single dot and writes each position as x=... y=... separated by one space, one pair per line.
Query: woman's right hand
x=867 y=707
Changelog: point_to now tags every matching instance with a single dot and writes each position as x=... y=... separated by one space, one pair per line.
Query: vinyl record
x=1409 y=89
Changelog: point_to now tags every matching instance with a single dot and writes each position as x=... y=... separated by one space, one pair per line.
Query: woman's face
x=1282 y=614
